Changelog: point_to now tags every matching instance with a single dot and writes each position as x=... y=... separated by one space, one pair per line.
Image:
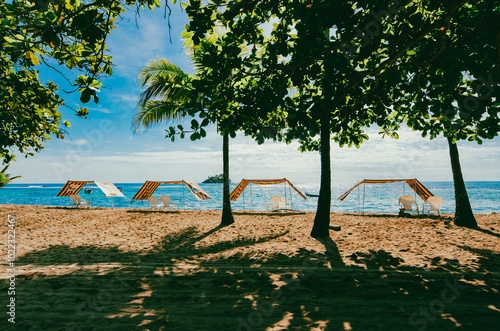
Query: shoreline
x=484 y=198
x=250 y=212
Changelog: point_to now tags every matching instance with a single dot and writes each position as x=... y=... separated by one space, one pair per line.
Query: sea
x=369 y=198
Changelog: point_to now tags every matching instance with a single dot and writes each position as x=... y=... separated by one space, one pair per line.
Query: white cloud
x=409 y=157
x=77 y=142
x=103 y=110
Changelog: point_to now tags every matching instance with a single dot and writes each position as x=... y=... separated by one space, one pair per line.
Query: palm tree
x=169 y=96
x=5 y=177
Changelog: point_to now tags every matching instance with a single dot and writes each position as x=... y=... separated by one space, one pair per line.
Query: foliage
x=335 y=65
x=55 y=33
x=5 y=177
x=302 y=77
x=453 y=79
x=170 y=94
x=28 y=110
x=452 y=84
x=166 y=91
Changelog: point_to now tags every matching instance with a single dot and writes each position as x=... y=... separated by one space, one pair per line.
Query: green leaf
x=194 y=124
x=187 y=34
x=86 y=95
x=33 y=58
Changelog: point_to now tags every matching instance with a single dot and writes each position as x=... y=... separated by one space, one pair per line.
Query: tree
x=5 y=177
x=453 y=84
x=178 y=99
x=28 y=111
x=52 y=34
x=314 y=68
x=220 y=81
x=370 y=48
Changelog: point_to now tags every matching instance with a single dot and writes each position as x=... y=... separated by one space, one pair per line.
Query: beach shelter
x=74 y=186
x=149 y=187
x=238 y=190
x=419 y=189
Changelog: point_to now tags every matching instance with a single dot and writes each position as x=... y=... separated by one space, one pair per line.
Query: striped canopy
x=420 y=189
x=150 y=187
x=244 y=183
x=72 y=187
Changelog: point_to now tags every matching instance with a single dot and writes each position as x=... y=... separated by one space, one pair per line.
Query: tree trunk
x=321 y=225
x=463 y=211
x=227 y=213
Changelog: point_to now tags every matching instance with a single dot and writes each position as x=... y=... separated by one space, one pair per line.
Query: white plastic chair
x=166 y=200
x=78 y=201
x=154 y=203
x=406 y=202
x=434 y=205
x=277 y=202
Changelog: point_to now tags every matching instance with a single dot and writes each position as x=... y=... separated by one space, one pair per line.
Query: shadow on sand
x=179 y=286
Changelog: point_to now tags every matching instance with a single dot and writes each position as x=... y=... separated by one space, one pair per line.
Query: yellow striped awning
x=235 y=194
x=197 y=191
x=149 y=187
x=420 y=189
x=72 y=187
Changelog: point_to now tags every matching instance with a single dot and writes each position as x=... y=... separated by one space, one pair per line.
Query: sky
x=104 y=148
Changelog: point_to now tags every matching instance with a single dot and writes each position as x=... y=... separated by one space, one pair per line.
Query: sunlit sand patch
x=63 y=269
x=282 y=324
x=493 y=308
x=450 y=318
x=347 y=326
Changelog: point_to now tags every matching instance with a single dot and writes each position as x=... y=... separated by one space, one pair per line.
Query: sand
x=125 y=269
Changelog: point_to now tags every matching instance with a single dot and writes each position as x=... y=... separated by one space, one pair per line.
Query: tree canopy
x=68 y=33
x=452 y=86
x=335 y=67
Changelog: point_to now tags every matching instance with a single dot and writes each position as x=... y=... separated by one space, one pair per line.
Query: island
x=214 y=179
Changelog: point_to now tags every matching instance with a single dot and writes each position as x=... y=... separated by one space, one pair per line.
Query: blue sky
x=104 y=148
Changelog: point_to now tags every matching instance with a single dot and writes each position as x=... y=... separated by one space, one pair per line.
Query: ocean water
x=374 y=198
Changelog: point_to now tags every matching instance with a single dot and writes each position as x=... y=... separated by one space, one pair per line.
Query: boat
x=312 y=195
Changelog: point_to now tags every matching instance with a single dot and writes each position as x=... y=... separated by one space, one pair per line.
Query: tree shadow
x=377 y=259
x=76 y=208
x=384 y=216
x=269 y=213
x=149 y=211
x=487 y=232
x=185 y=283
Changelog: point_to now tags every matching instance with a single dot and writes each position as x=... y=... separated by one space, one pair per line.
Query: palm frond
x=163 y=80
x=5 y=177
x=159 y=67
x=168 y=95
x=154 y=113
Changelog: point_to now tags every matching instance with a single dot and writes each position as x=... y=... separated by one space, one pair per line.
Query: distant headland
x=214 y=179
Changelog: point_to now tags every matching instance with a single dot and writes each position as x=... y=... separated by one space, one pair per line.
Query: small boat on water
x=312 y=195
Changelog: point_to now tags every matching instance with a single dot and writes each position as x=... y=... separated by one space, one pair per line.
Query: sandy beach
x=126 y=269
